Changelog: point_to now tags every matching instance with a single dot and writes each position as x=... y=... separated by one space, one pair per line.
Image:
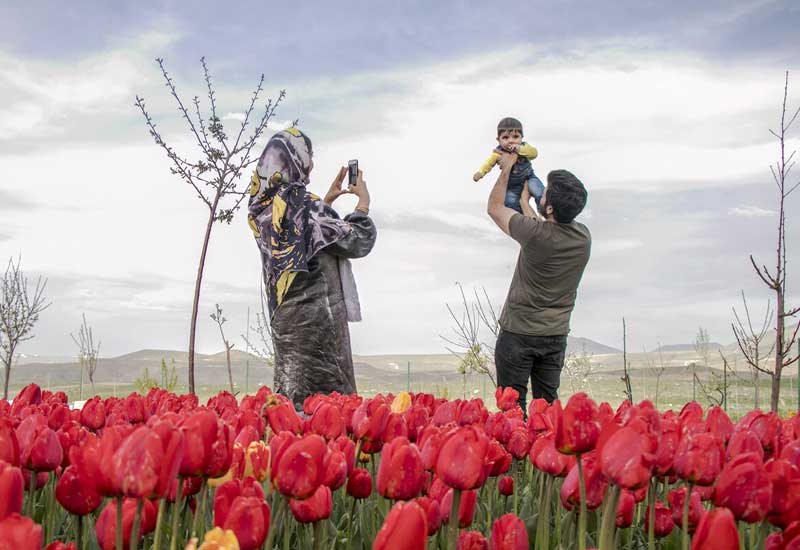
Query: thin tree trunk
x=197 y=284
x=776 y=375
x=228 y=359
x=7 y=376
x=757 y=392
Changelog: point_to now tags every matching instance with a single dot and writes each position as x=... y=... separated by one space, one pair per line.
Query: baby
x=509 y=139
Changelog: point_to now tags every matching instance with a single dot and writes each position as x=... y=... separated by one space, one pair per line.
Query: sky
x=663 y=111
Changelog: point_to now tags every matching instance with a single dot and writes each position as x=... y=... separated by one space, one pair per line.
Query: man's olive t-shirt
x=550 y=265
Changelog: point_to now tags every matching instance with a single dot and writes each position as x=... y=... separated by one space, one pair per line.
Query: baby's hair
x=509 y=123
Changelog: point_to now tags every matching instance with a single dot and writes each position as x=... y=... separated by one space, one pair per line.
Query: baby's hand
x=513 y=147
x=476 y=176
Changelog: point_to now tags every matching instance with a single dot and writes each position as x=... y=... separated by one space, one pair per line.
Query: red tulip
x=283 y=417
x=58 y=545
x=370 y=419
x=594 y=480
x=199 y=431
x=395 y=427
x=229 y=491
x=432 y=512
x=576 y=428
x=719 y=423
x=40 y=449
x=466 y=510
x=506 y=486
x=546 y=457
x=430 y=444
x=346 y=446
x=12 y=490
x=506 y=398
x=461 y=461
x=471 y=540
x=301 y=467
x=663 y=519
x=744 y=488
x=359 y=483
x=327 y=421
x=77 y=492
x=785 y=479
x=221 y=452
x=29 y=395
x=106 y=526
x=400 y=474
x=519 y=443
x=416 y=419
x=405 y=528
x=744 y=442
x=93 y=414
x=509 y=533
x=249 y=519
x=676 y=500
x=500 y=458
x=9 y=447
x=335 y=465
x=20 y=533
x=625 y=508
x=716 y=531
x=499 y=426
x=315 y=508
x=136 y=464
x=668 y=443
x=699 y=458
x=627 y=458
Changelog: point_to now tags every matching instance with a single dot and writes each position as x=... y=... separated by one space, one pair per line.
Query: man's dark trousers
x=518 y=357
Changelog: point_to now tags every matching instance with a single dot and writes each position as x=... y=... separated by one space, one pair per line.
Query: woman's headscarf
x=290 y=224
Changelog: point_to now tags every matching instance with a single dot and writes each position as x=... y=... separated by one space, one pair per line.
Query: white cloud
x=750 y=211
x=234 y=116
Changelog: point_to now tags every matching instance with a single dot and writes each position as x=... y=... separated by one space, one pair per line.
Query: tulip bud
x=663 y=519
x=462 y=458
x=12 y=490
x=301 y=467
x=20 y=533
x=400 y=474
x=359 y=484
x=313 y=509
x=506 y=486
x=743 y=487
x=77 y=492
x=576 y=428
x=471 y=540
x=626 y=458
x=509 y=533
x=9 y=446
x=716 y=531
x=506 y=398
x=249 y=519
x=432 y=512
x=405 y=528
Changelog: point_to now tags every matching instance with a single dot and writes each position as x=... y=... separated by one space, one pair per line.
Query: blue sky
x=663 y=109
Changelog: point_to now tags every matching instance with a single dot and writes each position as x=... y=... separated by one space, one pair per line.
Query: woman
x=305 y=251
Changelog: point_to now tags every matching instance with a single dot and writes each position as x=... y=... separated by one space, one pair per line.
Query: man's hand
x=525 y=202
x=336 y=190
x=507 y=160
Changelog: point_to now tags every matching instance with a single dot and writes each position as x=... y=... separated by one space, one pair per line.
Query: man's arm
x=496 y=207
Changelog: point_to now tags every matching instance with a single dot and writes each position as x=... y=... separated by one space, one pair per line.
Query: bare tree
x=218 y=318
x=776 y=280
x=656 y=369
x=20 y=307
x=626 y=377
x=88 y=353
x=750 y=339
x=263 y=348
x=215 y=176
x=474 y=355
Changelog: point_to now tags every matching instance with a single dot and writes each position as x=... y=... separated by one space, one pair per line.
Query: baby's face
x=508 y=138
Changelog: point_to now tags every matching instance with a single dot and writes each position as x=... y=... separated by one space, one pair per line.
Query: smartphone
x=352 y=172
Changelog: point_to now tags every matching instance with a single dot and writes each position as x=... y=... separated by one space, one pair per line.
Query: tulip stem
x=162 y=504
x=318 y=535
x=31 y=507
x=543 y=529
x=685 y=518
x=176 y=511
x=79 y=533
x=452 y=526
x=582 y=516
x=609 y=518
x=119 y=523
x=651 y=517
x=200 y=511
x=137 y=521
x=350 y=524
x=277 y=518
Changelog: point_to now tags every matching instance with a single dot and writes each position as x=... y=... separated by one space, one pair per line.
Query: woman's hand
x=360 y=190
x=335 y=191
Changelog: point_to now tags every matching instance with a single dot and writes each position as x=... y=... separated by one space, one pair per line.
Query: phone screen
x=352 y=170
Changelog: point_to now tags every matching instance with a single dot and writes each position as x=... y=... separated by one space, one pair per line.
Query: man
x=554 y=250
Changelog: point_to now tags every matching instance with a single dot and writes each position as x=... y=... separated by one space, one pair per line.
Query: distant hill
x=577 y=344
x=712 y=346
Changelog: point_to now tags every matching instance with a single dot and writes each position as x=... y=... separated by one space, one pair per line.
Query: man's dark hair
x=566 y=194
x=509 y=123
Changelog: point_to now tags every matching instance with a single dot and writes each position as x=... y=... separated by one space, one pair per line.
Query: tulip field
x=411 y=471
